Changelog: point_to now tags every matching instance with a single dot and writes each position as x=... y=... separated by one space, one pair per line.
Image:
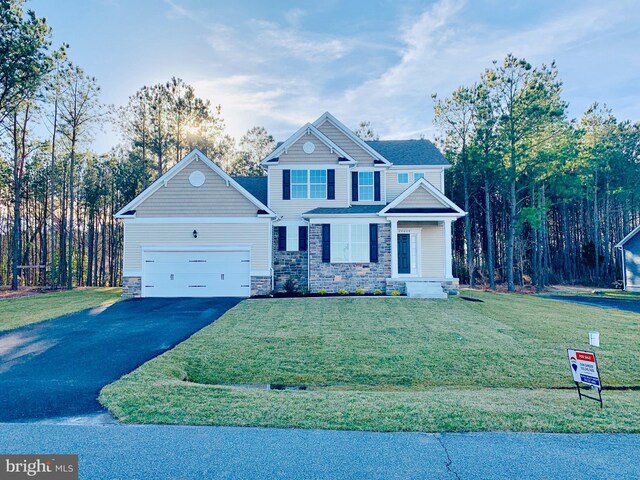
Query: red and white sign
x=584 y=367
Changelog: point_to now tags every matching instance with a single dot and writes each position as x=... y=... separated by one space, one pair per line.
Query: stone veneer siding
x=349 y=276
x=131 y=287
x=260 y=286
x=289 y=265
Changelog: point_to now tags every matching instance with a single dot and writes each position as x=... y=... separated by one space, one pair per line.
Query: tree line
x=547 y=196
x=57 y=195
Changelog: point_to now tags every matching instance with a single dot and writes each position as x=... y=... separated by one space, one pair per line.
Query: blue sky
x=282 y=64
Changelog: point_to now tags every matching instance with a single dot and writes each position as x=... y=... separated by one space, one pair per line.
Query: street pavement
x=113 y=451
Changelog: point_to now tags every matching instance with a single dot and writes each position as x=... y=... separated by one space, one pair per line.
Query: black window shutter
x=331 y=184
x=302 y=239
x=373 y=242
x=282 y=238
x=286 y=184
x=326 y=243
x=354 y=186
x=376 y=186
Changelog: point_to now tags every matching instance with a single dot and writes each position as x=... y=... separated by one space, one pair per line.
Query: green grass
x=391 y=364
x=16 y=312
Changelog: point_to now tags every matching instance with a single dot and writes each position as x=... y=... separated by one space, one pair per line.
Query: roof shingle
x=409 y=152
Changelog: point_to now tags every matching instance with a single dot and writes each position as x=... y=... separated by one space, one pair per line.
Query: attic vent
x=197 y=178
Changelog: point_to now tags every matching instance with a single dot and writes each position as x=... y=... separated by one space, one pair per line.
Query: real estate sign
x=584 y=367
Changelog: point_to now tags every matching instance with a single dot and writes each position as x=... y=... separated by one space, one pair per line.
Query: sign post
x=584 y=369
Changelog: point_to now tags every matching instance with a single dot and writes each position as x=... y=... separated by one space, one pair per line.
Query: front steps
x=425 y=290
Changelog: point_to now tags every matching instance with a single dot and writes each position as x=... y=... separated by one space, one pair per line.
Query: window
x=318 y=183
x=308 y=184
x=403 y=178
x=299 y=183
x=417 y=176
x=350 y=243
x=365 y=186
x=292 y=239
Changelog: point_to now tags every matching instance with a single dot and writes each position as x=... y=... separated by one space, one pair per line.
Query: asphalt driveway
x=57 y=368
x=627 y=304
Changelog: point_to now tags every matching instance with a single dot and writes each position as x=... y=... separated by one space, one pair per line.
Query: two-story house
x=333 y=212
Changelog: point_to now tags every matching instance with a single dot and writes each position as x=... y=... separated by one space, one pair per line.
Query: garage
x=212 y=272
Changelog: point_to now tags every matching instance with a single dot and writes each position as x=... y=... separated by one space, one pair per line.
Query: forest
x=547 y=196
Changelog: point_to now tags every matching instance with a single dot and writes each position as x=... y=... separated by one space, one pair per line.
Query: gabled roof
x=409 y=152
x=326 y=116
x=256 y=186
x=195 y=154
x=422 y=183
x=632 y=234
x=310 y=129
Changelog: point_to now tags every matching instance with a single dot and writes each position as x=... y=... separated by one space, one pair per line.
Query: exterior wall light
x=195 y=234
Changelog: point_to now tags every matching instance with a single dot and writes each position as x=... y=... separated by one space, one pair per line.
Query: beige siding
x=321 y=155
x=181 y=199
x=420 y=198
x=433 y=176
x=255 y=234
x=359 y=154
x=297 y=206
x=431 y=248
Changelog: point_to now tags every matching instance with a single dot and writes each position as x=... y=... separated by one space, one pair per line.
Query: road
x=174 y=452
x=629 y=305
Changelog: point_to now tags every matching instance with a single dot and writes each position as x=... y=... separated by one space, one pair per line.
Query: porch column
x=394 y=248
x=448 y=271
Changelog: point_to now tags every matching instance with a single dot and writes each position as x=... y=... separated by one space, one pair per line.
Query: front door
x=404 y=253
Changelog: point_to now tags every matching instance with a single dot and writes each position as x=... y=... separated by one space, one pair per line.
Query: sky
x=282 y=64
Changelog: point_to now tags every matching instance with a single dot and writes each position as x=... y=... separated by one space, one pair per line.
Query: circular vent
x=308 y=147
x=196 y=178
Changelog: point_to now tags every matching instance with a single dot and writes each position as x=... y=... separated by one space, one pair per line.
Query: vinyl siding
x=296 y=206
x=321 y=155
x=420 y=198
x=181 y=199
x=431 y=247
x=255 y=234
x=348 y=145
x=433 y=176
x=632 y=261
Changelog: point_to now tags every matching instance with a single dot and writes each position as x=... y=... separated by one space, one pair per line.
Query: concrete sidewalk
x=172 y=452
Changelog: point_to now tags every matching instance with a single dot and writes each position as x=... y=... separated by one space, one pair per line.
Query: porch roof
x=352 y=210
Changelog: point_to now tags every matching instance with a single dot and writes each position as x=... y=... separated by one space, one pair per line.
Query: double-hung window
x=318 y=184
x=309 y=184
x=365 y=186
x=417 y=176
x=299 y=184
x=292 y=239
x=350 y=243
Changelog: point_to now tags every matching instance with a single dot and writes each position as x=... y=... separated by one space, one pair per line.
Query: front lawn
x=16 y=312
x=391 y=364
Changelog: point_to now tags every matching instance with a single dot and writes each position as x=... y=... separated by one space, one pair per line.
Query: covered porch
x=421 y=257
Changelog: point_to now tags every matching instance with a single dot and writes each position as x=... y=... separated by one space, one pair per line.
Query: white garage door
x=196 y=274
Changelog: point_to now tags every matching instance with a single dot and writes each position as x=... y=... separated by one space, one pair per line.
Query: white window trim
x=408 y=174
x=413 y=176
x=293 y=238
x=309 y=197
x=373 y=185
x=350 y=260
